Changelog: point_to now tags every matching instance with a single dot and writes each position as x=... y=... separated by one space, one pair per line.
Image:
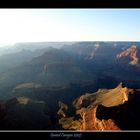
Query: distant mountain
x=49 y=69
x=11 y=56
x=39 y=45
x=102 y=59
x=13 y=59
x=82 y=63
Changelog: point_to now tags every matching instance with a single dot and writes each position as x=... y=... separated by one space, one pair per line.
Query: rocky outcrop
x=105 y=97
x=63 y=108
x=131 y=53
x=69 y=123
x=87 y=105
x=91 y=122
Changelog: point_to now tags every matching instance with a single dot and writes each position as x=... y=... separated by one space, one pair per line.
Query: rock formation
x=91 y=122
x=86 y=107
x=131 y=53
x=63 y=109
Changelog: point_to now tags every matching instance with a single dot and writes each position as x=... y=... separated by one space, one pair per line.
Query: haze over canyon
x=89 y=85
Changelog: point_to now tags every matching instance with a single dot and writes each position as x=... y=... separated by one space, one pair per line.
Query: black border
x=84 y=136
x=69 y=4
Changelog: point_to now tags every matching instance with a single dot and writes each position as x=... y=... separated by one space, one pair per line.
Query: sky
x=37 y=25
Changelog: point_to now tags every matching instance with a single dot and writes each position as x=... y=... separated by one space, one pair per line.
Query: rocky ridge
x=131 y=53
x=86 y=107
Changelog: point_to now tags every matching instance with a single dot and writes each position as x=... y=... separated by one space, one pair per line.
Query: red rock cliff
x=86 y=106
x=130 y=52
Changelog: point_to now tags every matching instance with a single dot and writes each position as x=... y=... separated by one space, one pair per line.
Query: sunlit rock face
x=94 y=111
x=91 y=122
x=132 y=53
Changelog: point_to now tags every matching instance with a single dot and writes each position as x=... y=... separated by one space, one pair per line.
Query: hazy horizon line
x=74 y=41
